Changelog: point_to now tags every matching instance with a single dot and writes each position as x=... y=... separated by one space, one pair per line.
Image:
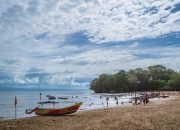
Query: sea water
x=29 y=99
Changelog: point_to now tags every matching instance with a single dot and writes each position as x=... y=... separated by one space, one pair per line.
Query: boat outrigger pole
x=40 y=94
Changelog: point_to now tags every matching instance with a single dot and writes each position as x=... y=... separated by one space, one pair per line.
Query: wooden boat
x=55 y=111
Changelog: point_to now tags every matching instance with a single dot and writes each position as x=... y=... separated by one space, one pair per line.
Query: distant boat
x=63 y=98
x=51 y=97
x=164 y=96
x=48 y=95
x=55 y=111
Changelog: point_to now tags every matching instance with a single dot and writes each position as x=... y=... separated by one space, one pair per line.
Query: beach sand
x=159 y=114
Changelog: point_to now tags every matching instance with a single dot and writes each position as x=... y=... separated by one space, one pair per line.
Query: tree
x=120 y=82
x=143 y=79
x=93 y=85
x=157 y=72
x=156 y=84
x=168 y=74
x=102 y=84
x=174 y=82
x=133 y=80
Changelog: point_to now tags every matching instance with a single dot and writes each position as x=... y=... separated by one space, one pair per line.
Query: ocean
x=29 y=99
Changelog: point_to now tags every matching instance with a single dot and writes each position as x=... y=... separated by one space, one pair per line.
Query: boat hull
x=57 y=112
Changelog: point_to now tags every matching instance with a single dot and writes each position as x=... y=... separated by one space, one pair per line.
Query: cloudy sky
x=70 y=42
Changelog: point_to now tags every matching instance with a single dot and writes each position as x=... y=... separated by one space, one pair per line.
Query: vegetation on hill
x=156 y=77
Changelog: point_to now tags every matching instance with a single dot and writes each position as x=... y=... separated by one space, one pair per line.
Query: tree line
x=156 y=77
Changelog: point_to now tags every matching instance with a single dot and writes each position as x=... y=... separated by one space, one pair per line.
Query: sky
x=70 y=42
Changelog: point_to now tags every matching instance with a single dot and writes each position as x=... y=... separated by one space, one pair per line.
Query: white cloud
x=63 y=69
x=97 y=61
x=33 y=33
x=103 y=21
x=77 y=84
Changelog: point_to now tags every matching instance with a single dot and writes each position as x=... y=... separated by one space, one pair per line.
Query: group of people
x=115 y=98
x=138 y=100
x=144 y=99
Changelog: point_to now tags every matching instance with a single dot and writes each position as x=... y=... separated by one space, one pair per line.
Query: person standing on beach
x=117 y=102
x=145 y=99
x=135 y=101
x=141 y=98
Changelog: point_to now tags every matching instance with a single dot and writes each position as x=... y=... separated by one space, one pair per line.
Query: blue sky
x=69 y=43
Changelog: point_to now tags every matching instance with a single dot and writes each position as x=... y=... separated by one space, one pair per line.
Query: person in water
x=107 y=99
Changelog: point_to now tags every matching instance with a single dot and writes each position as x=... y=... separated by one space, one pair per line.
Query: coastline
x=159 y=114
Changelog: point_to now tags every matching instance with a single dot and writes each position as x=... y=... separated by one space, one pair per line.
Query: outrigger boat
x=54 y=111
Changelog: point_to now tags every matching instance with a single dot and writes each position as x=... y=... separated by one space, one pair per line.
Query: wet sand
x=159 y=114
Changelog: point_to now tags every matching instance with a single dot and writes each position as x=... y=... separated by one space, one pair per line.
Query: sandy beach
x=159 y=114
